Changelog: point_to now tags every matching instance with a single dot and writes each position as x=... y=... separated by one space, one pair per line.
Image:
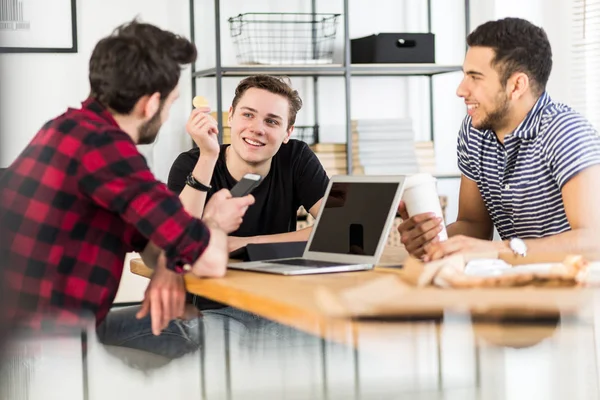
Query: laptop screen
x=354 y=217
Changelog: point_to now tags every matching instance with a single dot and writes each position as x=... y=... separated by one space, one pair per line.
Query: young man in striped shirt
x=530 y=166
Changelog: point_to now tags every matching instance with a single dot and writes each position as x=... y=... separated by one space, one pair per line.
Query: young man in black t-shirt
x=261 y=117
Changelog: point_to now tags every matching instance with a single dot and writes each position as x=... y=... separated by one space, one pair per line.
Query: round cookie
x=200 y=102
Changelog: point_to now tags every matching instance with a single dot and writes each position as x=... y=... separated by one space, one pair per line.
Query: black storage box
x=394 y=48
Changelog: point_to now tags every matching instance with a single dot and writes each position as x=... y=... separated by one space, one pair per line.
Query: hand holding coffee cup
x=421 y=212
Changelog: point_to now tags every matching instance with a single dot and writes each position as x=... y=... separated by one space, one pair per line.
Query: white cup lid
x=418 y=179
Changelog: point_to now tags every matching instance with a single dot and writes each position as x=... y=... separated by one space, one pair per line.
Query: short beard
x=148 y=131
x=496 y=118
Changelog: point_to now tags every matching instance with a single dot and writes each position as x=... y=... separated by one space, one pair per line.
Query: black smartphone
x=245 y=185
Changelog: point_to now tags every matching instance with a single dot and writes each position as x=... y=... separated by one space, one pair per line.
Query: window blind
x=585 y=59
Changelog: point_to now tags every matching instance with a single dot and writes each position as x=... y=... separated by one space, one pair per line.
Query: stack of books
x=387 y=146
x=333 y=158
x=379 y=147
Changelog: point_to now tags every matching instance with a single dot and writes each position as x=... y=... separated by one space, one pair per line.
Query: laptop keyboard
x=301 y=262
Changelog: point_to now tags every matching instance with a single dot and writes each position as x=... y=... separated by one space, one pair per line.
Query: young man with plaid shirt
x=80 y=196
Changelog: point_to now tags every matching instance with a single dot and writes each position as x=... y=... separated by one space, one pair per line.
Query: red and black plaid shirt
x=73 y=203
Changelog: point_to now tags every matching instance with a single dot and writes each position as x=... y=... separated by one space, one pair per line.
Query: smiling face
x=259 y=125
x=487 y=100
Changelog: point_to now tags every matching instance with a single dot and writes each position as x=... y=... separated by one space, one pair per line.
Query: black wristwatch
x=191 y=181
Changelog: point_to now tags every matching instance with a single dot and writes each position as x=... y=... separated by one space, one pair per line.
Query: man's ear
x=230 y=115
x=152 y=105
x=518 y=85
x=288 y=133
x=147 y=106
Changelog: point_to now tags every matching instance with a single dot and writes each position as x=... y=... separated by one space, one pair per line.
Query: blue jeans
x=122 y=328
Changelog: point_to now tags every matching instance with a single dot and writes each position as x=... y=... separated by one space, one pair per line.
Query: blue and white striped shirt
x=521 y=181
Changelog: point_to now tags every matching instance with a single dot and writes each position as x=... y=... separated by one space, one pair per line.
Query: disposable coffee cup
x=420 y=196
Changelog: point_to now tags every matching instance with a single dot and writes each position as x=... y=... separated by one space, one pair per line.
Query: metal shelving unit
x=346 y=70
x=333 y=70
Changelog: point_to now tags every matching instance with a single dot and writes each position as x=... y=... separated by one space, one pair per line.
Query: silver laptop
x=350 y=231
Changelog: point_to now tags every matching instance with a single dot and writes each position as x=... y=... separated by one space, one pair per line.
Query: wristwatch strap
x=518 y=247
x=191 y=181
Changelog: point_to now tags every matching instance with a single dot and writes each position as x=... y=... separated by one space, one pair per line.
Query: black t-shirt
x=296 y=178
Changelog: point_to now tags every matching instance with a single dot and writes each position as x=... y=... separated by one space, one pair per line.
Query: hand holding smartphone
x=246 y=185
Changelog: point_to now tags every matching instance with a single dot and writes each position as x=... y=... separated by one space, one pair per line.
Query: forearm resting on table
x=297 y=236
x=582 y=240
x=471 y=229
x=193 y=200
x=236 y=242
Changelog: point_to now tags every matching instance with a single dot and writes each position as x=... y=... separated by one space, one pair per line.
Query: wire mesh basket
x=284 y=38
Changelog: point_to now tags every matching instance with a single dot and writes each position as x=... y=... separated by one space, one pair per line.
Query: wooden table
x=288 y=300
x=292 y=300
x=457 y=356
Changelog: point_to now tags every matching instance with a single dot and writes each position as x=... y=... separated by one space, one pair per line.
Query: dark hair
x=137 y=59
x=520 y=46
x=275 y=85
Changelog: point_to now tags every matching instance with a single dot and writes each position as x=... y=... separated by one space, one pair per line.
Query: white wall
x=37 y=87
x=555 y=17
